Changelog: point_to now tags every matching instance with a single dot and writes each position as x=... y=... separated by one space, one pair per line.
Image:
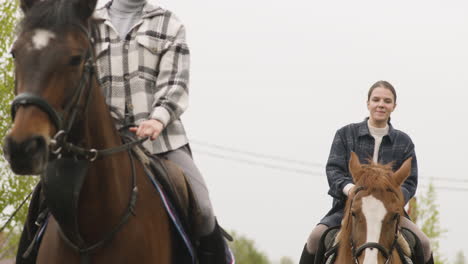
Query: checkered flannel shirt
x=145 y=76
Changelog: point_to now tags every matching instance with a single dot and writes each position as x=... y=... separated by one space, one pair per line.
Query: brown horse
x=370 y=228
x=63 y=130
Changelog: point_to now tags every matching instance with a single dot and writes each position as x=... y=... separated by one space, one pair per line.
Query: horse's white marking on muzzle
x=41 y=38
x=374 y=211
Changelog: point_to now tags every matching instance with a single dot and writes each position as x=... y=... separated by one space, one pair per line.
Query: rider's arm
x=173 y=77
x=411 y=183
x=337 y=167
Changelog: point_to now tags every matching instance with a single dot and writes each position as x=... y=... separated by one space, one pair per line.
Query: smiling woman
x=373 y=140
x=381 y=101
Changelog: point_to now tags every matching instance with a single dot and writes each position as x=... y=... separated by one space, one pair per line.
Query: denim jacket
x=396 y=147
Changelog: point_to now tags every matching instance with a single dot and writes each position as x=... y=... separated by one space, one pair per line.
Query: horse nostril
x=34 y=145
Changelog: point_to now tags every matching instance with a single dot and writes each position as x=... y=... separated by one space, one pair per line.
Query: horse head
x=370 y=227
x=52 y=58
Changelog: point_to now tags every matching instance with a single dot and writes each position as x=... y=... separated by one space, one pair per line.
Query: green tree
x=286 y=260
x=428 y=218
x=245 y=251
x=460 y=258
x=13 y=189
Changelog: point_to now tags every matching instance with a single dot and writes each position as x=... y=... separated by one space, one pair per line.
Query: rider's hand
x=348 y=189
x=148 y=128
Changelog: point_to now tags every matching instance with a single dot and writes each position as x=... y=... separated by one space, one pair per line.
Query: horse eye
x=12 y=53
x=395 y=217
x=75 y=60
x=353 y=214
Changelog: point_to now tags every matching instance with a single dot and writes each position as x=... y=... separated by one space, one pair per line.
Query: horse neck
x=106 y=190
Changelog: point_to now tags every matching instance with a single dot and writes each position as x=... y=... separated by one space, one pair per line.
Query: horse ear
x=27 y=4
x=403 y=172
x=84 y=8
x=355 y=166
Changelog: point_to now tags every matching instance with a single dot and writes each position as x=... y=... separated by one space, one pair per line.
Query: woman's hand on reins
x=148 y=128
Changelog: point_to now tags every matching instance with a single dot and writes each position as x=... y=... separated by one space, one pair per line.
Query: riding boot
x=306 y=257
x=212 y=248
x=431 y=260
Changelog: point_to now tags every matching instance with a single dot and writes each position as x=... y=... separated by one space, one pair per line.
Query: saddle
x=408 y=247
x=175 y=186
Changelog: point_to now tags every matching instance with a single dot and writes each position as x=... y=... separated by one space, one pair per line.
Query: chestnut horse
x=63 y=130
x=370 y=228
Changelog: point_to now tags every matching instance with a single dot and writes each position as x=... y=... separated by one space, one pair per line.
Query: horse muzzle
x=28 y=157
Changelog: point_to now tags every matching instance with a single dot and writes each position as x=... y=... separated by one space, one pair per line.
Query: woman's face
x=381 y=104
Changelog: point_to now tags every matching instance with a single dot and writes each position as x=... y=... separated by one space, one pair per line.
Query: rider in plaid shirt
x=143 y=68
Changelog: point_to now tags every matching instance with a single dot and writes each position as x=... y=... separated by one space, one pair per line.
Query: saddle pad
x=417 y=255
x=171 y=197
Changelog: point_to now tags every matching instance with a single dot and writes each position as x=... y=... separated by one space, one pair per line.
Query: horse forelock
x=50 y=14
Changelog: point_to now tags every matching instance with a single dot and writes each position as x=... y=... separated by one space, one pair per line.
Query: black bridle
x=386 y=253
x=60 y=145
x=63 y=126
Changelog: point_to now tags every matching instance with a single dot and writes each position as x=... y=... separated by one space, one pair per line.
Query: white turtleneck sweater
x=124 y=14
x=377 y=133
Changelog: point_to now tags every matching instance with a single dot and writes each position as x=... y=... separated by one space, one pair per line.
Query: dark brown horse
x=61 y=124
x=370 y=227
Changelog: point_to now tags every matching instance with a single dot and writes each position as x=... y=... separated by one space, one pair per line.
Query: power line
x=299 y=171
x=446 y=179
x=262 y=164
x=294 y=161
x=447 y=188
x=257 y=154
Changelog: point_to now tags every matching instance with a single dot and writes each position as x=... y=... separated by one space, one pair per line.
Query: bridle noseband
x=387 y=253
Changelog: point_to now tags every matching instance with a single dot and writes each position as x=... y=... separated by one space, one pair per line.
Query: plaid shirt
x=396 y=147
x=145 y=76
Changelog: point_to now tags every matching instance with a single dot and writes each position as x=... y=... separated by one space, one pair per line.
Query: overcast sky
x=280 y=77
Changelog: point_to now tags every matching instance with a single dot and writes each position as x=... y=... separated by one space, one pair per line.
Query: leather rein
x=60 y=146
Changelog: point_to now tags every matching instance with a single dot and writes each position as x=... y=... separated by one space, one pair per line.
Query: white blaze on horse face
x=41 y=38
x=374 y=212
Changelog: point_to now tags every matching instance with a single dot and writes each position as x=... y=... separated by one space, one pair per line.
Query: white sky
x=280 y=77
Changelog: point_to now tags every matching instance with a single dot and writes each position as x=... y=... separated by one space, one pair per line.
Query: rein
x=59 y=146
x=387 y=253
